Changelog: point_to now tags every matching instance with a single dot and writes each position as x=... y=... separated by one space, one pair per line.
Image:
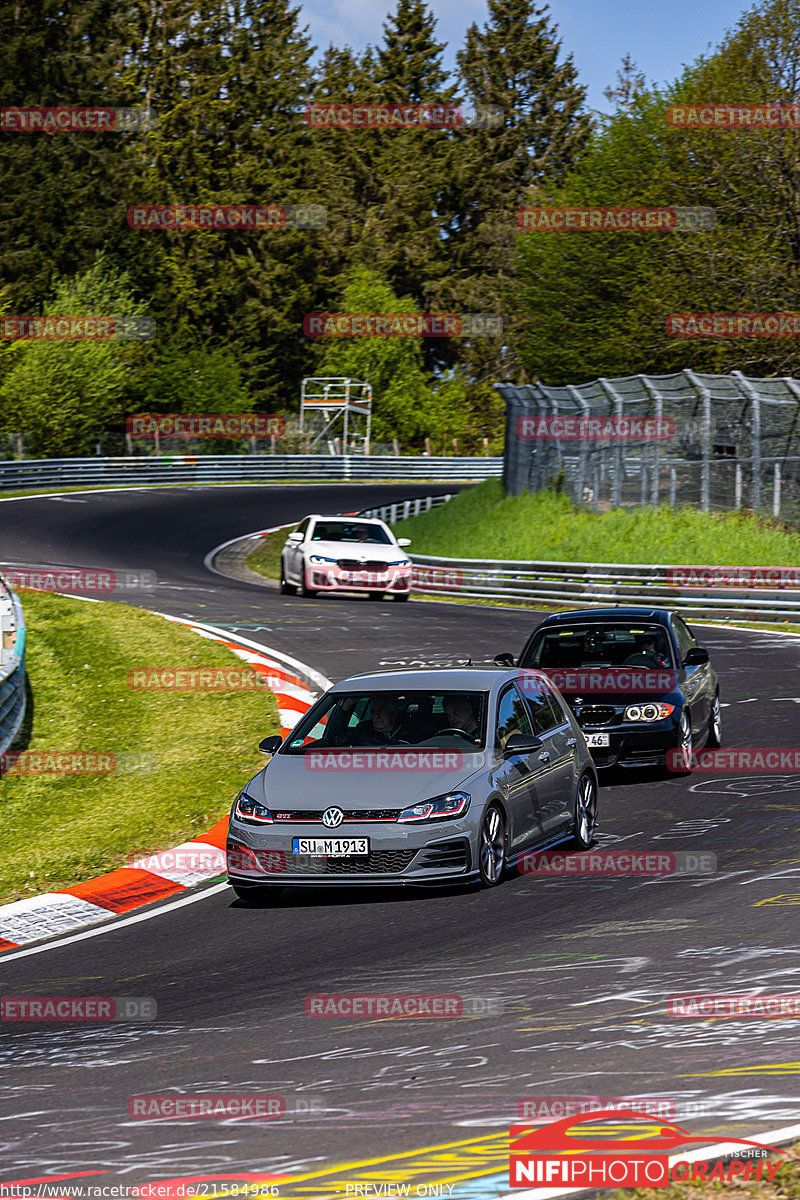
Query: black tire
x=287 y=589
x=257 y=893
x=683 y=750
x=403 y=596
x=309 y=593
x=492 y=855
x=585 y=812
x=715 y=724
x=375 y=595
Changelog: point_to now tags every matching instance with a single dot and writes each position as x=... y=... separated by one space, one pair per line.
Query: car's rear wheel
x=287 y=589
x=492 y=847
x=257 y=893
x=715 y=724
x=585 y=812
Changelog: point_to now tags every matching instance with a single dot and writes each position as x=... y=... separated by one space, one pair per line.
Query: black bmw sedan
x=643 y=691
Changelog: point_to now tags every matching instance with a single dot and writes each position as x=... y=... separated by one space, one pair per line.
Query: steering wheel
x=460 y=732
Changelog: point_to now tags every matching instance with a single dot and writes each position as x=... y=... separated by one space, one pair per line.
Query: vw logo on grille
x=332 y=817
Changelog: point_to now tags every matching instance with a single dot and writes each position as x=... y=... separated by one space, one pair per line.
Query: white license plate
x=330 y=847
x=596 y=739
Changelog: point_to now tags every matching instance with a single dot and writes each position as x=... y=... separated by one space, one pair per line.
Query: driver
x=649 y=652
x=460 y=714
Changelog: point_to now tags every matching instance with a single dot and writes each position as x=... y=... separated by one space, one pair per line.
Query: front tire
x=308 y=592
x=683 y=752
x=585 y=812
x=715 y=724
x=375 y=595
x=287 y=589
x=402 y=596
x=492 y=847
x=258 y=893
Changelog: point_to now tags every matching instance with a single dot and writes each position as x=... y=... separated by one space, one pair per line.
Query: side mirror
x=506 y=659
x=521 y=743
x=270 y=745
x=295 y=537
x=696 y=656
x=404 y=541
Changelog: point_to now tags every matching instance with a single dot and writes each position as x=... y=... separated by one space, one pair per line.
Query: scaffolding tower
x=331 y=407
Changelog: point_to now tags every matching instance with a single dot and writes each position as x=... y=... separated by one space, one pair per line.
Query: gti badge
x=332 y=817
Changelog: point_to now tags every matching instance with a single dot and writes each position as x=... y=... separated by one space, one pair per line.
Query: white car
x=345 y=554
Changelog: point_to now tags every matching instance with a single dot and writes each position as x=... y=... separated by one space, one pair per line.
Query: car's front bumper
x=630 y=746
x=405 y=856
x=327 y=577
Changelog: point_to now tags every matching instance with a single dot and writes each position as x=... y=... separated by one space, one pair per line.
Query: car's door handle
x=544 y=757
x=572 y=742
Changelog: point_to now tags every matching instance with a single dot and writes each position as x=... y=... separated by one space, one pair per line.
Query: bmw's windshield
x=445 y=719
x=358 y=532
x=606 y=645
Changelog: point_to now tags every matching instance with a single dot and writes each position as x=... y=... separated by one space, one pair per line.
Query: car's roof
x=457 y=679
x=342 y=517
x=658 y=616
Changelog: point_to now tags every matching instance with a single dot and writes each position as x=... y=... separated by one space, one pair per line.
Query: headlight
x=250 y=811
x=648 y=712
x=440 y=808
x=401 y=562
x=319 y=558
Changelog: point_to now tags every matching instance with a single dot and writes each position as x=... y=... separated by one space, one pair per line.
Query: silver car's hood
x=290 y=782
x=356 y=550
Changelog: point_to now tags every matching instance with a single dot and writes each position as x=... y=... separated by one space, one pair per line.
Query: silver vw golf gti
x=415 y=777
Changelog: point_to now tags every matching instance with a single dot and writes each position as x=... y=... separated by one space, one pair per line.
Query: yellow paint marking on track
x=449 y=1162
x=778 y=901
x=787 y=1068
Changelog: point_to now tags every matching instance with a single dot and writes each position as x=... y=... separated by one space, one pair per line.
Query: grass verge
x=266 y=558
x=785 y=1185
x=58 y=830
x=482 y=522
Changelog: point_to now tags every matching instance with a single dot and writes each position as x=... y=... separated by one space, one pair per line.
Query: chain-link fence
x=721 y=441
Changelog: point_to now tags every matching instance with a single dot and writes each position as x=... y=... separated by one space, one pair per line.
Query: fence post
x=737 y=497
x=705 y=434
x=644 y=479
x=673 y=486
x=616 y=475
x=776 y=489
x=747 y=388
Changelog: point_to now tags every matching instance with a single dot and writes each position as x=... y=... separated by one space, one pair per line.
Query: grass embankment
x=58 y=830
x=483 y=522
x=266 y=558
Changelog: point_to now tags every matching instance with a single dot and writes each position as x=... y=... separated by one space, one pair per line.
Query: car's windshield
x=350 y=531
x=606 y=645
x=446 y=719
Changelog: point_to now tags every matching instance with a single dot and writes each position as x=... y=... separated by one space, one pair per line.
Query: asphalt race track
x=583 y=966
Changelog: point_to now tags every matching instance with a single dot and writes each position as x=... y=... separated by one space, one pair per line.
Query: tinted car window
x=544 y=714
x=367 y=718
x=685 y=640
x=512 y=716
x=303 y=526
x=607 y=644
x=350 y=531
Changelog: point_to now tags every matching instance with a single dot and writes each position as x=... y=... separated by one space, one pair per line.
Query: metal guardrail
x=232 y=468
x=403 y=509
x=587 y=585
x=12 y=666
